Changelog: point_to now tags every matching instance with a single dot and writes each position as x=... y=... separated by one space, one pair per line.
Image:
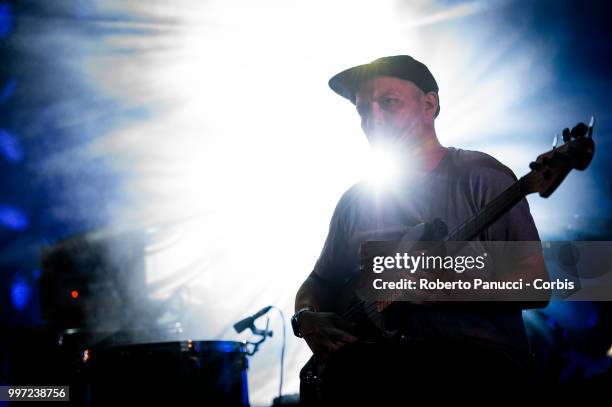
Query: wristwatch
x=295 y=320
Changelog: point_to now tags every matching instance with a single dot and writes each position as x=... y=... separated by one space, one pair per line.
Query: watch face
x=295 y=322
x=294 y=325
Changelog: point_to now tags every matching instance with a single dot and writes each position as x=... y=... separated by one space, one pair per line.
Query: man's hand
x=325 y=332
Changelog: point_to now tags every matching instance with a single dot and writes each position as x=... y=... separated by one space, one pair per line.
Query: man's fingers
x=325 y=349
x=344 y=324
x=343 y=336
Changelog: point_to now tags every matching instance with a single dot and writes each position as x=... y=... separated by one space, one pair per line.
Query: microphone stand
x=264 y=333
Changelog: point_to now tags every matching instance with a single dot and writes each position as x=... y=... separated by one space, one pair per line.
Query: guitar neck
x=493 y=211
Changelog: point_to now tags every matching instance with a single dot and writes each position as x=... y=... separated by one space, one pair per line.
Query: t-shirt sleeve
x=333 y=264
x=515 y=225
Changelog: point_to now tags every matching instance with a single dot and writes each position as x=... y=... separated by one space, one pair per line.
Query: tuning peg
x=566 y=135
x=555 y=141
x=579 y=131
x=591 y=124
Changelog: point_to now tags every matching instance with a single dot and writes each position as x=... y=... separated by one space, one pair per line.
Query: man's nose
x=374 y=117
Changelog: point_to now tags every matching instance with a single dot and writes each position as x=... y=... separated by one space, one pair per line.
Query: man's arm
x=516 y=226
x=314 y=293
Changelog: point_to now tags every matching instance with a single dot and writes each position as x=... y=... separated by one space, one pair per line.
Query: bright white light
x=382 y=167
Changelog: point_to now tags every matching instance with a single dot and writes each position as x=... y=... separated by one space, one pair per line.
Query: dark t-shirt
x=460 y=186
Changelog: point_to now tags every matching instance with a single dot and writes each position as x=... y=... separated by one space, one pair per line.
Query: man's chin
x=383 y=140
x=393 y=143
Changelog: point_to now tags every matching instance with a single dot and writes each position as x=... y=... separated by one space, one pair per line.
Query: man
x=397 y=100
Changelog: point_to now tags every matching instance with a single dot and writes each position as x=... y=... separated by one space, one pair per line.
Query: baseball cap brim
x=347 y=82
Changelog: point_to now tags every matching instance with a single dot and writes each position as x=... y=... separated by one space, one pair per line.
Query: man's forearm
x=314 y=294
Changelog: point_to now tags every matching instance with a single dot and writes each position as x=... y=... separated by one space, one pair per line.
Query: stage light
x=6 y=20
x=86 y=355
x=20 y=293
x=382 y=168
x=13 y=218
x=10 y=147
x=7 y=90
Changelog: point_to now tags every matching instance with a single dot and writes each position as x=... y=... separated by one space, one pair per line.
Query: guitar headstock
x=551 y=168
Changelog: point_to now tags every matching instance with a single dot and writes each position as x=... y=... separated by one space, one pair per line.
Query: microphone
x=248 y=321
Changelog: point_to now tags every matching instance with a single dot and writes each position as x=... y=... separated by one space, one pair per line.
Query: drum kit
x=107 y=357
x=183 y=372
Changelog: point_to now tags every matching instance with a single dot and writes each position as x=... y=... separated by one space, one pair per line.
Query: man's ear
x=432 y=102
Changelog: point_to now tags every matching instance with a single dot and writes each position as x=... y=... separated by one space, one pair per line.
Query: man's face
x=391 y=110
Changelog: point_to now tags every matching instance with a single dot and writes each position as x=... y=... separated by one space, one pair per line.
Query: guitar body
x=368 y=315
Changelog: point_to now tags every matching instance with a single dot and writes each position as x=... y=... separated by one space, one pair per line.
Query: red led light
x=74 y=294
